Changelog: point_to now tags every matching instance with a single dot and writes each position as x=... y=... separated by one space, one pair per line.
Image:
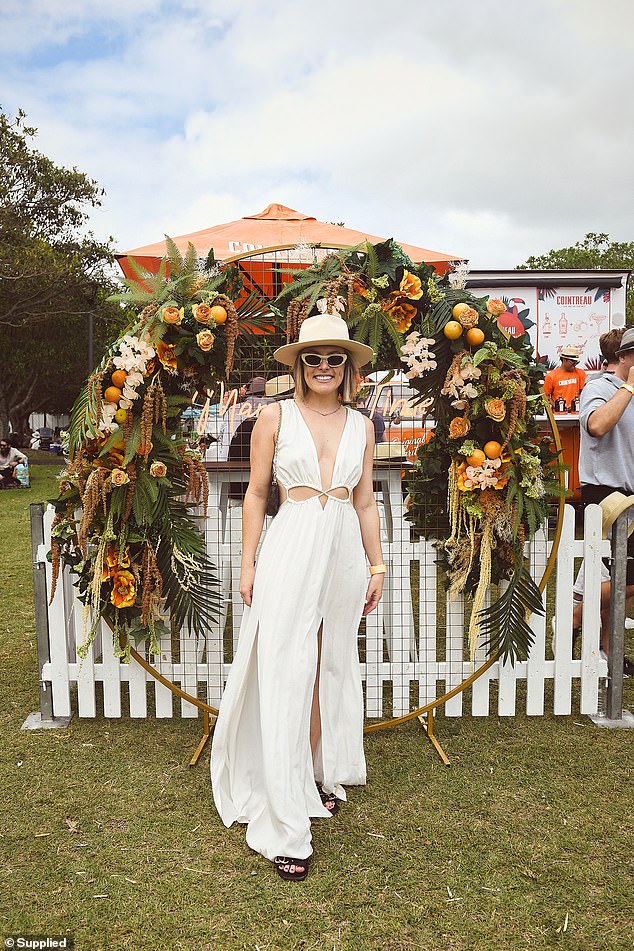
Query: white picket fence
x=412 y=648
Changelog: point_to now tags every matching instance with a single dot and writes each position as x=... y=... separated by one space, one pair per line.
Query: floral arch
x=482 y=484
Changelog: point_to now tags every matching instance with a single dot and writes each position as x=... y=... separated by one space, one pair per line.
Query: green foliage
x=504 y=624
x=53 y=275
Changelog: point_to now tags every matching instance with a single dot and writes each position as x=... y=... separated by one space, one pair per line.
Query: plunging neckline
x=314 y=445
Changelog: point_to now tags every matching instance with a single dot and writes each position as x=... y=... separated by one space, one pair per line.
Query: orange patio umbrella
x=277 y=226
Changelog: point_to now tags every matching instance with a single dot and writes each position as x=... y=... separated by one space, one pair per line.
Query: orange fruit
x=219 y=314
x=493 y=449
x=477 y=458
x=459 y=309
x=120 y=415
x=474 y=336
x=452 y=330
x=112 y=394
x=119 y=378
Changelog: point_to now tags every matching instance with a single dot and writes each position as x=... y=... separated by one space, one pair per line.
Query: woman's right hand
x=247 y=575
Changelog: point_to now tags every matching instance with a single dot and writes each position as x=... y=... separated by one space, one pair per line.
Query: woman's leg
x=315 y=716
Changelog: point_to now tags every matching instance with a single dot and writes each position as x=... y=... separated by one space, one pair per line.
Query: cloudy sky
x=491 y=129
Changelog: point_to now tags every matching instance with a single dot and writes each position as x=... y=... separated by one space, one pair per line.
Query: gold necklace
x=331 y=413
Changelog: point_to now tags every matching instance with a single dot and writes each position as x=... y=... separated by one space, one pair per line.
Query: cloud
x=491 y=129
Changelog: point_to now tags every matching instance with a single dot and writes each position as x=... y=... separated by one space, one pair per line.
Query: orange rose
x=411 y=286
x=123 y=592
x=119 y=477
x=167 y=355
x=202 y=313
x=158 y=469
x=171 y=314
x=205 y=340
x=496 y=306
x=459 y=427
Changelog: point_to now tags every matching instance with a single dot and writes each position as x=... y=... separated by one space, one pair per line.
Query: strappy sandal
x=329 y=800
x=283 y=865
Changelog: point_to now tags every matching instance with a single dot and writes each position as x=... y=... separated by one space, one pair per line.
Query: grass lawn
x=525 y=842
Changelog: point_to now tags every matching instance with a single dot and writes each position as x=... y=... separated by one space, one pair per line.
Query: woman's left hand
x=373 y=594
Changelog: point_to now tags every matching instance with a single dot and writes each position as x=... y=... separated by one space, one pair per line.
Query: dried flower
x=167 y=355
x=459 y=427
x=205 y=340
x=468 y=318
x=495 y=409
x=119 y=477
x=158 y=469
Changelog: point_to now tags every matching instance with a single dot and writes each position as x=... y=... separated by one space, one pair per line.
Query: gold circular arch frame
x=428 y=708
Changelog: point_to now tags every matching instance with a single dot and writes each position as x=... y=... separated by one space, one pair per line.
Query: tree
x=595 y=251
x=53 y=275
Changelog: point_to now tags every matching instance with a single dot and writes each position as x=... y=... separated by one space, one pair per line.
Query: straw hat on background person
x=279 y=385
x=613 y=505
x=569 y=353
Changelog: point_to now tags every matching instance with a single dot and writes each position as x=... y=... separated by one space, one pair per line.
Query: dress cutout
x=311 y=569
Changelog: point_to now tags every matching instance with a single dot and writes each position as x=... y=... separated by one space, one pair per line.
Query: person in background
x=374 y=414
x=567 y=381
x=609 y=344
x=606 y=454
x=9 y=459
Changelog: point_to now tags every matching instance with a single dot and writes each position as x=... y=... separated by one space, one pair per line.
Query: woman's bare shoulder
x=269 y=416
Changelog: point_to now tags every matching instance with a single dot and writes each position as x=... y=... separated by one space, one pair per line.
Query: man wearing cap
x=606 y=454
x=567 y=381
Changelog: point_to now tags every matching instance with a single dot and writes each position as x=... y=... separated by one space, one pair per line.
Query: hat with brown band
x=612 y=506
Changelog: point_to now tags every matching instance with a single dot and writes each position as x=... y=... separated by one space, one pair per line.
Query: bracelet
x=628 y=387
x=377 y=569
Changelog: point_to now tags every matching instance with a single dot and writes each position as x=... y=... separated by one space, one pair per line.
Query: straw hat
x=569 y=353
x=279 y=385
x=389 y=450
x=325 y=330
x=612 y=506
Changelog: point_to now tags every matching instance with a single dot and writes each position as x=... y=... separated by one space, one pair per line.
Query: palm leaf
x=82 y=420
x=504 y=623
x=190 y=586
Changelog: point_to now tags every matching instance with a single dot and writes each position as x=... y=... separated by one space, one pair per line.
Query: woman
x=290 y=729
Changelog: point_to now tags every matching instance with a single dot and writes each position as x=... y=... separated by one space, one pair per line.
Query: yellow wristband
x=628 y=387
x=377 y=569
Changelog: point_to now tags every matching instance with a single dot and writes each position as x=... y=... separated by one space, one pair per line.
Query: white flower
x=458 y=277
x=469 y=391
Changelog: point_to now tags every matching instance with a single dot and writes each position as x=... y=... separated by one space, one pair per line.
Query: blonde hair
x=347 y=387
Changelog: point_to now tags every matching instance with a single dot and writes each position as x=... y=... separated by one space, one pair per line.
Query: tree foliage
x=53 y=275
x=593 y=252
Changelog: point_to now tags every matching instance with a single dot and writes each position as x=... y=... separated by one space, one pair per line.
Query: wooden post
x=41 y=612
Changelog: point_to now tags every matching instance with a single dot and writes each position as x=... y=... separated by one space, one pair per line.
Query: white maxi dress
x=310 y=571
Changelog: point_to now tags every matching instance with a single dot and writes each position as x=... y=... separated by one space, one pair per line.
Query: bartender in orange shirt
x=567 y=381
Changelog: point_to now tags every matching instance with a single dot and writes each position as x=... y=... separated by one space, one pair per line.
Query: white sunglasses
x=333 y=360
